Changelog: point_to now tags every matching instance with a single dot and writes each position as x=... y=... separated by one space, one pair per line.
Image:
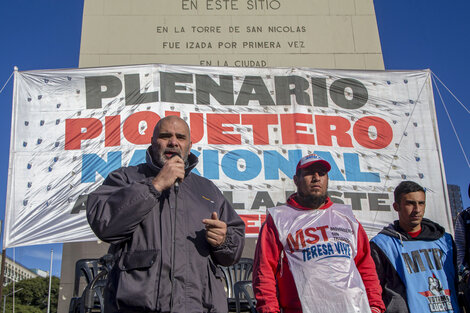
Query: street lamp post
x=5 y=298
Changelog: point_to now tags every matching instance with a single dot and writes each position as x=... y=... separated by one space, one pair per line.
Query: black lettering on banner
x=101 y=87
x=335 y=197
x=358 y=97
x=376 y=203
x=262 y=199
x=283 y=90
x=133 y=94
x=260 y=94
x=206 y=86
x=356 y=199
x=320 y=96
x=173 y=88
x=80 y=204
x=229 y=196
x=169 y=87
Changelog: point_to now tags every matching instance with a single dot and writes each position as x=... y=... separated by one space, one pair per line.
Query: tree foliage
x=33 y=297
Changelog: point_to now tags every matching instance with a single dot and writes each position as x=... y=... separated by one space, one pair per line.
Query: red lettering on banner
x=223 y=129
x=215 y=129
x=112 y=131
x=325 y=133
x=172 y=113
x=74 y=133
x=290 y=129
x=260 y=124
x=140 y=133
x=251 y=221
x=384 y=132
x=262 y=218
x=197 y=126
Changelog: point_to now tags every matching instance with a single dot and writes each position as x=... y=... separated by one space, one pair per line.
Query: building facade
x=14 y=272
x=455 y=200
x=39 y=272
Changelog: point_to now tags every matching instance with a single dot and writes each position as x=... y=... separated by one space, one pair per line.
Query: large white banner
x=249 y=128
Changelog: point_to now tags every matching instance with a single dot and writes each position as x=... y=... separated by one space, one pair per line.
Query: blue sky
x=415 y=34
x=35 y=34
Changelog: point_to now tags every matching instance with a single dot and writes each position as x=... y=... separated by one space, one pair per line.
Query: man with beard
x=168 y=229
x=415 y=258
x=313 y=255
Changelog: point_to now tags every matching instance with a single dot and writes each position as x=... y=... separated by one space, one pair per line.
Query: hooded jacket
x=128 y=212
x=392 y=268
x=273 y=282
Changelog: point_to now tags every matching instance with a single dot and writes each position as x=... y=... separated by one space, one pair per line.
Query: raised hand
x=216 y=230
x=172 y=170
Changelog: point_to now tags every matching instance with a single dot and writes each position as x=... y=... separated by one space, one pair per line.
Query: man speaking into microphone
x=168 y=229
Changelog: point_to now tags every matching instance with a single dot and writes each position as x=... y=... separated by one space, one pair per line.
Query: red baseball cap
x=311 y=159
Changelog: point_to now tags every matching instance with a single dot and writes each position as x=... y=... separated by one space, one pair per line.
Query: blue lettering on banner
x=334 y=173
x=138 y=157
x=239 y=165
x=230 y=165
x=92 y=164
x=353 y=171
x=198 y=154
x=210 y=157
x=275 y=162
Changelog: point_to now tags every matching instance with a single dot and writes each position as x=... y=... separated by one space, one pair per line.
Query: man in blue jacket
x=168 y=229
x=415 y=258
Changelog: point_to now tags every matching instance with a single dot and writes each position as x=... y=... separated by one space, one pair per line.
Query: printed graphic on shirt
x=423 y=259
x=438 y=297
x=320 y=242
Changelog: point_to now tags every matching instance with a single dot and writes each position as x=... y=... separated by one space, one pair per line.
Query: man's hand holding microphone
x=171 y=174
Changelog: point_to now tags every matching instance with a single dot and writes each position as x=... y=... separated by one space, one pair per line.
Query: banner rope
x=1 y=90
x=415 y=103
x=463 y=105
x=450 y=119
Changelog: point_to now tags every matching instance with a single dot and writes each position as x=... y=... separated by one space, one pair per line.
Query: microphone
x=176 y=186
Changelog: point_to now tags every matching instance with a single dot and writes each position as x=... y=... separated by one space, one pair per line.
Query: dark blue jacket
x=128 y=212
